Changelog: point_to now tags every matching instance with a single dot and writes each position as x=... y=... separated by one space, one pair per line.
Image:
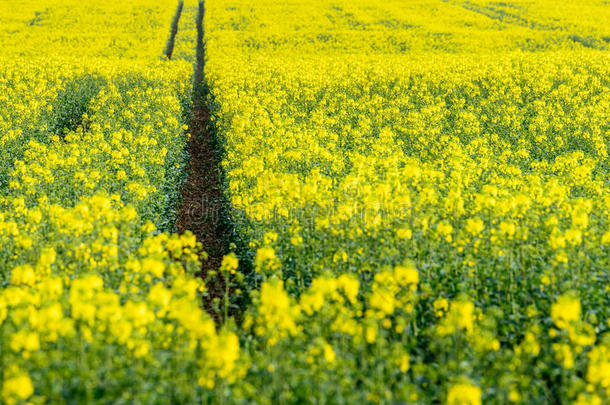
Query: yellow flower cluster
x=464 y=394
x=276 y=312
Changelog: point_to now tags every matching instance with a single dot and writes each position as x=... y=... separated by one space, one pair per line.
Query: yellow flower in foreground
x=563 y=354
x=474 y=226
x=405 y=275
x=565 y=311
x=464 y=394
x=606 y=238
x=404 y=233
x=440 y=306
x=277 y=313
x=23 y=340
x=329 y=353
x=229 y=263
x=154 y=266
x=598 y=372
x=445 y=230
x=350 y=286
x=460 y=317
x=266 y=259
x=403 y=363
x=17 y=388
x=23 y=275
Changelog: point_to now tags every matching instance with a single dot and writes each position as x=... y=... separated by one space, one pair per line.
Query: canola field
x=420 y=195
x=97 y=305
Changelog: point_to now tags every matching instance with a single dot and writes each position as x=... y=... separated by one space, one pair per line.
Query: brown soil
x=202 y=198
x=202 y=207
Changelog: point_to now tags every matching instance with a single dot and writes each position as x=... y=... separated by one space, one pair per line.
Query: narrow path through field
x=203 y=209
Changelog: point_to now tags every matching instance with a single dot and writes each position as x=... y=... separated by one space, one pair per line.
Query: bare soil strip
x=203 y=209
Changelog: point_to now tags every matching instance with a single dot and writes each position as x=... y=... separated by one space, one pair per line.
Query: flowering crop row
x=96 y=304
x=424 y=192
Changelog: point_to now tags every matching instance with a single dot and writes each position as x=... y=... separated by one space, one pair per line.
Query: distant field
x=417 y=198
